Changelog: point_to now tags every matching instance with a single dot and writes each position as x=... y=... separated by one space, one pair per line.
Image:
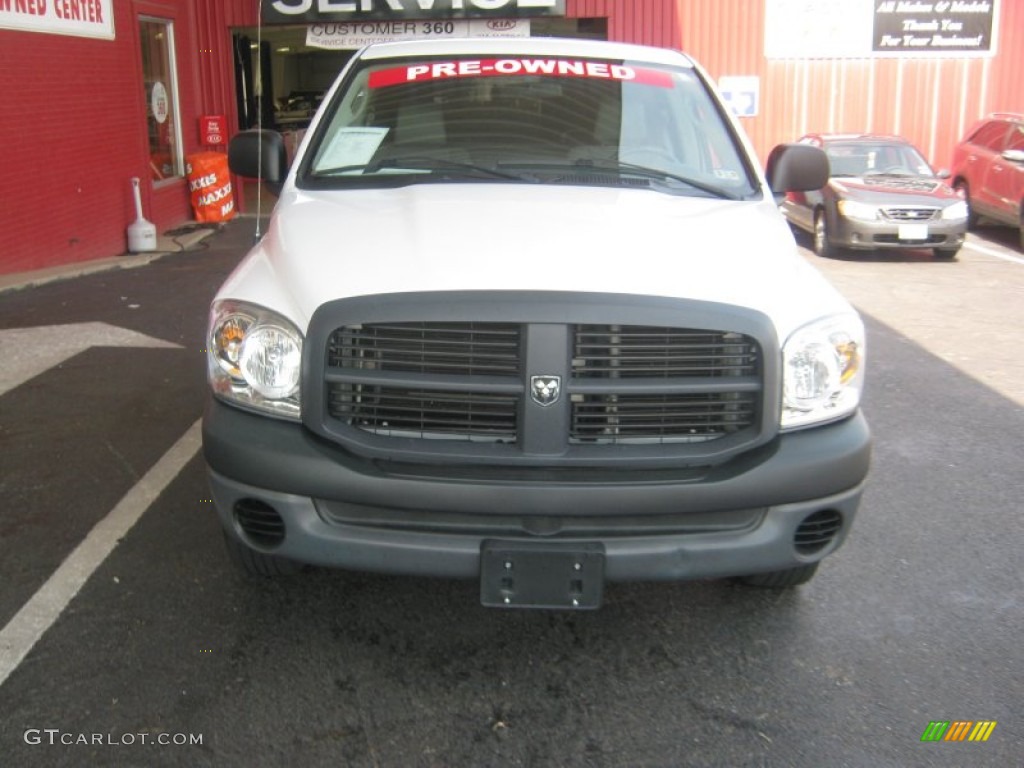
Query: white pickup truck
x=527 y=312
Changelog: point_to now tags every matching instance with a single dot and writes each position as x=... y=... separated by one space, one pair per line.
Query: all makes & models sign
x=936 y=26
x=293 y=11
x=847 y=29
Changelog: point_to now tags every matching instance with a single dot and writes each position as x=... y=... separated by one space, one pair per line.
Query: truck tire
x=790 y=577
x=253 y=563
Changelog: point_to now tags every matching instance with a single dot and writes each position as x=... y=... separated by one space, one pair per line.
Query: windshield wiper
x=628 y=169
x=423 y=163
x=653 y=173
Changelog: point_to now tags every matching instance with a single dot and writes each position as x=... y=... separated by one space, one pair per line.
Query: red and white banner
x=463 y=68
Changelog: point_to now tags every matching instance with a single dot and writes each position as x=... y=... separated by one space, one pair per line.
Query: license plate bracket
x=548 y=575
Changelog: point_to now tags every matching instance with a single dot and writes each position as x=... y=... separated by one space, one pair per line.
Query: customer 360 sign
x=291 y=11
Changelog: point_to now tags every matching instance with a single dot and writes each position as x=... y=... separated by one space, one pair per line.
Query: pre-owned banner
x=310 y=11
x=78 y=18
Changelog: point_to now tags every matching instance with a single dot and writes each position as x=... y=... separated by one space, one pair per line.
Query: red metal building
x=96 y=92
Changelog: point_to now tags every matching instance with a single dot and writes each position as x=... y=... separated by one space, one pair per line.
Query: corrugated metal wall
x=215 y=21
x=932 y=101
x=653 y=22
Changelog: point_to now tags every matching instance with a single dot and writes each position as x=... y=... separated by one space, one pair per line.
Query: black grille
x=410 y=389
x=817 y=531
x=425 y=413
x=659 y=418
x=609 y=351
x=465 y=349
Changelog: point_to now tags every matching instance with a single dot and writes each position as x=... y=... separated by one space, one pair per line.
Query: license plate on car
x=913 y=232
x=541 y=575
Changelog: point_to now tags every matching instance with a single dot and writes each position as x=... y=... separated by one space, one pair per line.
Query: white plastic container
x=141 y=233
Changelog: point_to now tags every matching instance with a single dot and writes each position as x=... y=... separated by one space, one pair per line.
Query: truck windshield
x=527 y=120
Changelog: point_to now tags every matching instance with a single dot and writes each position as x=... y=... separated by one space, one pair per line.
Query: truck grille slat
x=466 y=348
x=619 y=418
x=630 y=351
x=423 y=413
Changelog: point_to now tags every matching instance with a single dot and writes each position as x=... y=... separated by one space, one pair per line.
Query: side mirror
x=259 y=155
x=796 y=168
x=1014 y=155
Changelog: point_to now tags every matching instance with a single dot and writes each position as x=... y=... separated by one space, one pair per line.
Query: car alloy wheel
x=822 y=246
x=965 y=192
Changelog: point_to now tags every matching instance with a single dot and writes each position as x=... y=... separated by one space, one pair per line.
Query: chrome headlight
x=823 y=371
x=254 y=357
x=854 y=210
x=955 y=211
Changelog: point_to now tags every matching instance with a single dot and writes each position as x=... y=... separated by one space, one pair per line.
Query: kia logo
x=501 y=25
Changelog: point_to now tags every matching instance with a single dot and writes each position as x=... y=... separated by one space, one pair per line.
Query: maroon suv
x=988 y=168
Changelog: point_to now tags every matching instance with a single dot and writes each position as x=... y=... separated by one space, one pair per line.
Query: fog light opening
x=817 y=531
x=260 y=522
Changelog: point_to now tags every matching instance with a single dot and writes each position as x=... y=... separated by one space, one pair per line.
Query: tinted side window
x=991 y=135
x=1016 y=140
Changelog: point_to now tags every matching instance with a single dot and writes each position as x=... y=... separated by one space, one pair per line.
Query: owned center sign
x=310 y=11
x=82 y=18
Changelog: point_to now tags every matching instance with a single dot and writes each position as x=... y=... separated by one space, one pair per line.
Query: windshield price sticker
x=467 y=68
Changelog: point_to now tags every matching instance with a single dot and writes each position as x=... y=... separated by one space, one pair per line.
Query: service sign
x=77 y=18
x=312 y=11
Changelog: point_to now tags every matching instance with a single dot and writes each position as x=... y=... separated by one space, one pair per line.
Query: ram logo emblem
x=545 y=390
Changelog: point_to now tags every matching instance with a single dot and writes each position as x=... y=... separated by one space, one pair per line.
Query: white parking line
x=46 y=605
x=992 y=252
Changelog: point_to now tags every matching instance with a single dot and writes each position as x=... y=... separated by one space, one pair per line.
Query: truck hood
x=328 y=245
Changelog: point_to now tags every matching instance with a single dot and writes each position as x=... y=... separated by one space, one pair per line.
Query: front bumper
x=858 y=234
x=341 y=510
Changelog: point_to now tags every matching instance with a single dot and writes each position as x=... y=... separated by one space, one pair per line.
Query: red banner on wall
x=213 y=130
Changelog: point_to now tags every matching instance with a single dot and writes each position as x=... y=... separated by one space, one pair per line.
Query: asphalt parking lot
x=129 y=640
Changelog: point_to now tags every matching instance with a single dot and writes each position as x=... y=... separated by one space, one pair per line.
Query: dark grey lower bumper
x=340 y=510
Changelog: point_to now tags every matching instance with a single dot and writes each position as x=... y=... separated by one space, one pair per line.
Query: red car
x=988 y=169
